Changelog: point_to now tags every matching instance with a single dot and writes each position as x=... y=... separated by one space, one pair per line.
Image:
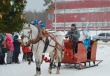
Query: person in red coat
x=24 y=50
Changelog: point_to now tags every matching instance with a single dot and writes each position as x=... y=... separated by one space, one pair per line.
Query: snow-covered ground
x=23 y=69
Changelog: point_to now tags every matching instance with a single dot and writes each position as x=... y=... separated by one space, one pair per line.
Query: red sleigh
x=81 y=58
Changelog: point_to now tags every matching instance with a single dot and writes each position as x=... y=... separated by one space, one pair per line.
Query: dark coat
x=2 y=53
x=16 y=46
x=73 y=34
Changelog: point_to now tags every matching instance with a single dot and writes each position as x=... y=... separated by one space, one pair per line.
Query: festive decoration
x=21 y=17
x=45 y=58
x=11 y=2
x=18 y=10
x=23 y=2
x=14 y=9
x=11 y=16
x=0 y=16
x=3 y=1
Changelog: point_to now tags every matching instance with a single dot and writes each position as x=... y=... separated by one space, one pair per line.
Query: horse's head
x=29 y=32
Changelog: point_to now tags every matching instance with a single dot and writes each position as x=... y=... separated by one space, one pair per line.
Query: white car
x=102 y=36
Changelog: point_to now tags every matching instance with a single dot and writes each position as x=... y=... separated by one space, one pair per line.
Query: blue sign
x=50 y=16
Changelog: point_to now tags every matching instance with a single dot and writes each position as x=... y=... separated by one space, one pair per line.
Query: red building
x=94 y=13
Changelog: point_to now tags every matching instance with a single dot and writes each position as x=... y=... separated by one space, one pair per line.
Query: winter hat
x=73 y=25
x=16 y=37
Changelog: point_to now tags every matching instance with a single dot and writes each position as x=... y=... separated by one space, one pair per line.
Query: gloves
x=66 y=36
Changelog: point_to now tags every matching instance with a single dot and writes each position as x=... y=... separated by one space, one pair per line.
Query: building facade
x=93 y=14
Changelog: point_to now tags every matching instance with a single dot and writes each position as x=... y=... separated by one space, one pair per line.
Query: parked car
x=102 y=36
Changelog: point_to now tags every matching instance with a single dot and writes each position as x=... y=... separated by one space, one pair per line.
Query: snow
x=23 y=69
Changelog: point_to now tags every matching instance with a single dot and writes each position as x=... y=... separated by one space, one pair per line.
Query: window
x=107 y=34
x=102 y=34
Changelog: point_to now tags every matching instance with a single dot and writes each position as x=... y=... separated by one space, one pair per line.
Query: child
x=16 y=49
x=10 y=46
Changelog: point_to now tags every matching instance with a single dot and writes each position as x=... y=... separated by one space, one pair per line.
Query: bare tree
x=30 y=16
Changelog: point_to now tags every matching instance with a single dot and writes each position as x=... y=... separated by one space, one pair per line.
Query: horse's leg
x=59 y=60
x=38 y=64
x=54 y=65
x=58 y=68
x=38 y=69
x=51 y=54
x=50 y=66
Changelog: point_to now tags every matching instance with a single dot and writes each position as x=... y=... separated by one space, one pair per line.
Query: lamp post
x=82 y=19
x=75 y=16
x=64 y=16
x=55 y=13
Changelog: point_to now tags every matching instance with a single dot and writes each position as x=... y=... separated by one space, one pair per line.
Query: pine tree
x=11 y=15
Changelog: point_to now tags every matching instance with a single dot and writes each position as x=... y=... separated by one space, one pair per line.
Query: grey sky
x=35 y=5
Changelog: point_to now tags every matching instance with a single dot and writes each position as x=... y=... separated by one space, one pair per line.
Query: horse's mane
x=28 y=25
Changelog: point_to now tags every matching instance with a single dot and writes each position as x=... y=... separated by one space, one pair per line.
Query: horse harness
x=37 y=39
x=45 y=42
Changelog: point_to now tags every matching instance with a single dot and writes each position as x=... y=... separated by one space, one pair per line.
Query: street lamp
x=64 y=7
x=55 y=13
x=82 y=19
x=75 y=16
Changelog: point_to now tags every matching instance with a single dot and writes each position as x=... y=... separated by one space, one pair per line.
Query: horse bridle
x=29 y=33
x=30 y=40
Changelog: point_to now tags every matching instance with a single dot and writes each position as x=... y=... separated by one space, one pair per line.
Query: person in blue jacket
x=87 y=39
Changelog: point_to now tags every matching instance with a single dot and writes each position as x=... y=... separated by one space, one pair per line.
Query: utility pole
x=64 y=16
x=82 y=19
x=55 y=13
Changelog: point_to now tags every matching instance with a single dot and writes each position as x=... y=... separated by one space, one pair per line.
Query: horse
x=35 y=43
x=57 y=54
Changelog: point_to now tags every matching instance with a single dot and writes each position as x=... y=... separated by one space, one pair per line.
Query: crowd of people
x=10 y=47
